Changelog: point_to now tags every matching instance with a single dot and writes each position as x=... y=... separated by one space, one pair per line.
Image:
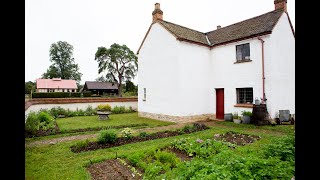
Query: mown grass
x=82 y=122
x=58 y=162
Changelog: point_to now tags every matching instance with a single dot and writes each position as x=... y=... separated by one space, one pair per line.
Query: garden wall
x=77 y=103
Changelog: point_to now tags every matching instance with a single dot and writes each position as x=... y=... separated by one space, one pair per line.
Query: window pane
x=244 y=95
x=243 y=51
x=239 y=52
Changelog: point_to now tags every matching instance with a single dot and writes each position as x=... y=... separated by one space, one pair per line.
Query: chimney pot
x=280 y=4
x=218 y=27
x=157 y=14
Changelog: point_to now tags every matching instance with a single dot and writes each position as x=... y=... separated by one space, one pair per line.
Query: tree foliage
x=28 y=86
x=119 y=62
x=63 y=65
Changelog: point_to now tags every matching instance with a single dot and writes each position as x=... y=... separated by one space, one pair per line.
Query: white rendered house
x=187 y=75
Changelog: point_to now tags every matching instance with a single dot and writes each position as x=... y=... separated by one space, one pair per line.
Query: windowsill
x=242 y=61
x=244 y=105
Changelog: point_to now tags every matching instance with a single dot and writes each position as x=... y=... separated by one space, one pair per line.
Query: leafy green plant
x=199 y=148
x=90 y=111
x=32 y=123
x=127 y=133
x=103 y=107
x=81 y=144
x=246 y=113
x=107 y=136
x=283 y=147
x=143 y=134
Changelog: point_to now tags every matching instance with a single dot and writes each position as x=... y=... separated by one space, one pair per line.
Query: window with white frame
x=243 y=52
x=144 y=94
x=244 y=95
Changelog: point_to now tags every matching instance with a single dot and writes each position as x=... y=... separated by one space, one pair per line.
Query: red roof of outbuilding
x=56 y=83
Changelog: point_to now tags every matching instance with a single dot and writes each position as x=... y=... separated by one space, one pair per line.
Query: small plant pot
x=103 y=115
x=237 y=121
x=246 y=119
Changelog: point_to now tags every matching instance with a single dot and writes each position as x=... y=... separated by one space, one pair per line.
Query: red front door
x=220 y=103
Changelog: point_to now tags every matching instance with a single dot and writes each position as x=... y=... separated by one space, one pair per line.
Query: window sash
x=243 y=51
x=244 y=95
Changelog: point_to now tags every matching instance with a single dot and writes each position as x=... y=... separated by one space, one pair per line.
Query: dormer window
x=243 y=52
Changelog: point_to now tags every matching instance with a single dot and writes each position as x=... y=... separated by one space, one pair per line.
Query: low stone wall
x=177 y=119
x=74 y=100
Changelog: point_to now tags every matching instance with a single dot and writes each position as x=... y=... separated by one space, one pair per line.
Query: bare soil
x=236 y=138
x=111 y=169
x=180 y=154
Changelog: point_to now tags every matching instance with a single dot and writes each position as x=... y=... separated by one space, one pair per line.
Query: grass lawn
x=58 y=162
x=82 y=122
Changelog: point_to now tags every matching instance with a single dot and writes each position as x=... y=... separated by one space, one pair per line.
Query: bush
x=32 y=123
x=107 y=136
x=143 y=134
x=127 y=133
x=86 y=94
x=246 y=113
x=55 y=112
x=104 y=107
x=39 y=121
x=81 y=144
x=90 y=111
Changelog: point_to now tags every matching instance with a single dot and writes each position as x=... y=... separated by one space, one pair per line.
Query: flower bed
x=123 y=140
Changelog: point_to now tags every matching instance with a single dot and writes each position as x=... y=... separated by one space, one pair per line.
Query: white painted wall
x=75 y=106
x=229 y=75
x=158 y=72
x=280 y=68
x=181 y=77
x=194 y=67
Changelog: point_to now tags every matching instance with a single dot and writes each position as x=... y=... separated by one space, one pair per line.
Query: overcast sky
x=89 y=24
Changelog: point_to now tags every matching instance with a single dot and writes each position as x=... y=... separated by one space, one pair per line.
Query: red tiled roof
x=56 y=83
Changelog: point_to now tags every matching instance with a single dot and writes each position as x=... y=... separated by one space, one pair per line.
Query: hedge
x=59 y=94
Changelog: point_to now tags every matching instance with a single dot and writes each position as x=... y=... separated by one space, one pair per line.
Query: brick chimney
x=157 y=13
x=218 y=27
x=280 y=4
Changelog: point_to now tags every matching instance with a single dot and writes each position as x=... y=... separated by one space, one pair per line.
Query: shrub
x=116 y=110
x=32 y=123
x=86 y=94
x=187 y=128
x=81 y=144
x=127 y=133
x=90 y=111
x=107 y=136
x=246 y=113
x=56 y=111
x=45 y=117
x=143 y=134
x=104 y=107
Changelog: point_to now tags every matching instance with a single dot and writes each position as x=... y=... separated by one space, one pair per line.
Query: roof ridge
x=246 y=20
x=183 y=27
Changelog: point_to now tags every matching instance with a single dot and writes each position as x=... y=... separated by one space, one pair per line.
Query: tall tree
x=63 y=65
x=120 y=63
x=101 y=79
x=28 y=86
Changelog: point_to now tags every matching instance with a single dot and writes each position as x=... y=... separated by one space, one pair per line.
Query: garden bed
x=112 y=169
x=122 y=140
x=236 y=138
x=56 y=130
